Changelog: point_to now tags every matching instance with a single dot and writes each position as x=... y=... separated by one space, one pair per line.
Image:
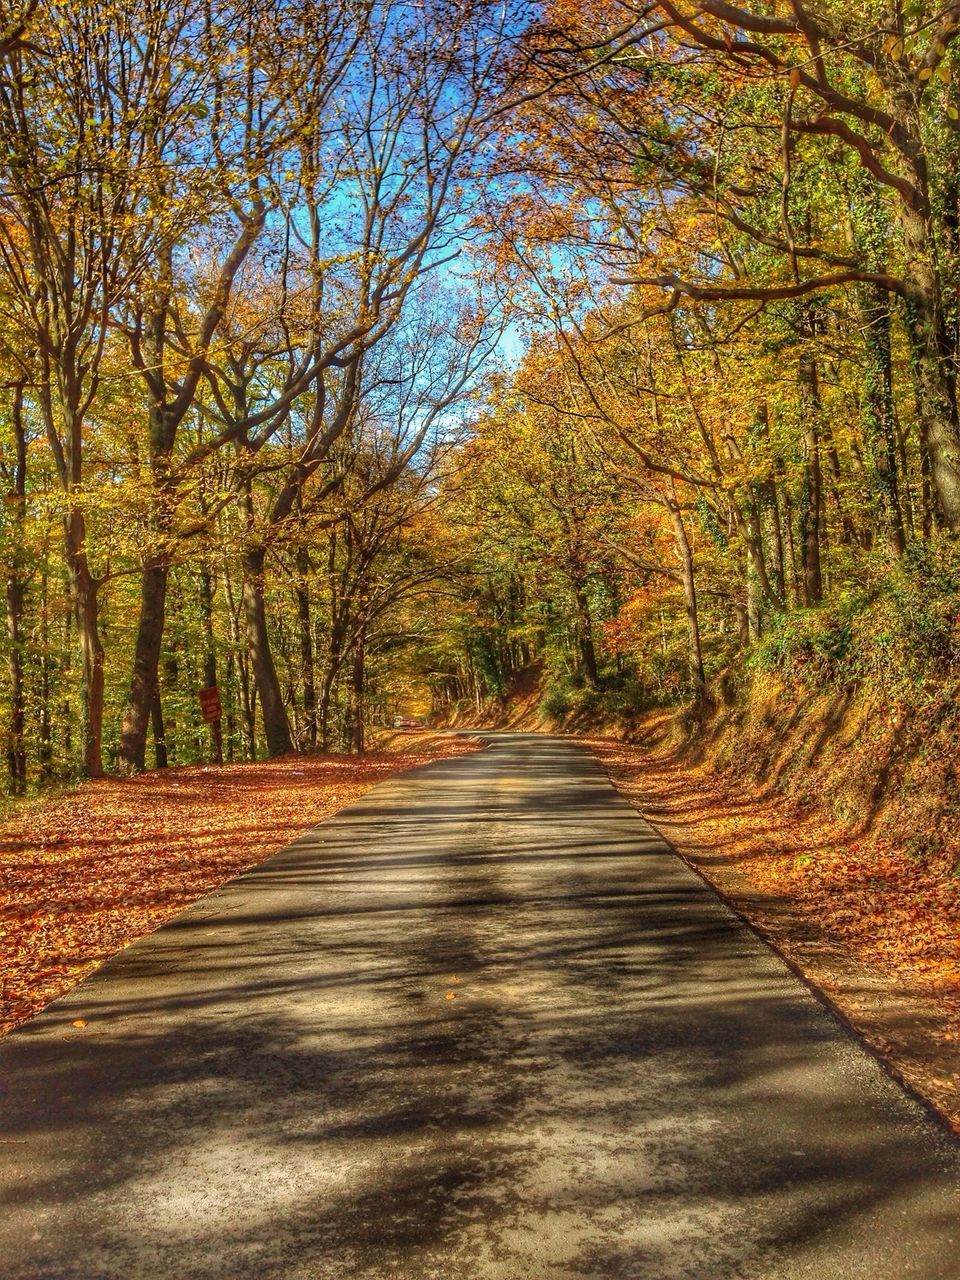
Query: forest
x=360 y=357
x=480 y=677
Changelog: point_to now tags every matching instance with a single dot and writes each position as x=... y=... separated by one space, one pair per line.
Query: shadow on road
x=482 y=1024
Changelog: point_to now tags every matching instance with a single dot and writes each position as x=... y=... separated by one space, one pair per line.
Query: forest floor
x=87 y=872
x=874 y=931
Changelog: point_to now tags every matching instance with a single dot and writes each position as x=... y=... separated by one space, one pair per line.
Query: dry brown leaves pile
x=86 y=874
x=895 y=915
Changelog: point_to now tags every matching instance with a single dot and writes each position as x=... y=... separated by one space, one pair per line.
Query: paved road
x=627 y=1083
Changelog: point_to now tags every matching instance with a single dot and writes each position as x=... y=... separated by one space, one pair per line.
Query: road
x=483 y=1025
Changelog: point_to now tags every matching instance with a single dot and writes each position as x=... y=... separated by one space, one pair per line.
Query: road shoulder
x=910 y=1028
x=89 y=871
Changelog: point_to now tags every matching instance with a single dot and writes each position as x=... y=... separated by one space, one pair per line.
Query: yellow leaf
x=80 y=1022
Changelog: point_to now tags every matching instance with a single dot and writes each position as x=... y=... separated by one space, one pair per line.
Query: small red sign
x=210 y=704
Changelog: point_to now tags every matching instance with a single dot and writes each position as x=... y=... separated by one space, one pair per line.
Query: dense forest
x=360 y=357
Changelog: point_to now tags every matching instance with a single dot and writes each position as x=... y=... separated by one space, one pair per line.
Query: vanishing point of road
x=482 y=1025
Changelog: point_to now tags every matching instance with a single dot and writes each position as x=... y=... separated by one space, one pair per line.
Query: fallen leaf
x=66 y=909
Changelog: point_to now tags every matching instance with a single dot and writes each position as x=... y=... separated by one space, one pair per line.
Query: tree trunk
x=588 y=653
x=928 y=519
x=756 y=560
x=848 y=530
x=210 y=658
x=334 y=644
x=306 y=648
x=475 y=682
x=869 y=238
x=776 y=537
x=16 y=749
x=160 y=756
x=45 y=745
x=879 y=416
x=247 y=703
x=326 y=694
x=276 y=727
x=789 y=523
x=358 y=682
x=906 y=496
x=171 y=682
x=810 y=517
x=929 y=343
x=83 y=593
x=811 y=504
x=771 y=499
x=231 y=717
x=146 y=660
x=697 y=675
x=753 y=605
x=67 y=673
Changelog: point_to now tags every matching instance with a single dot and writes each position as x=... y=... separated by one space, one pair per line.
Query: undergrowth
x=897 y=632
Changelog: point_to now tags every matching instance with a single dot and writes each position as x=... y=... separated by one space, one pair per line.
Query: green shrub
x=900 y=628
x=630 y=695
x=555 y=702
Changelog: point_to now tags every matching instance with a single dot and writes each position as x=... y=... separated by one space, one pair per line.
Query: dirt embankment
x=830 y=822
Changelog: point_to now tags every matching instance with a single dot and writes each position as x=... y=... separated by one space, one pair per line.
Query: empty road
x=480 y=1026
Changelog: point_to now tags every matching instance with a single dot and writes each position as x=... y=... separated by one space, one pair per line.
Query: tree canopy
x=263 y=268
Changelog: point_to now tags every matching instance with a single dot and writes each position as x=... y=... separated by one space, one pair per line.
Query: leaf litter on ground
x=87 y=873
x=873 y=926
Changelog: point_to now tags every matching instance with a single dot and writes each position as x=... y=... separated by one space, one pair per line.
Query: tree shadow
x=444 y=1037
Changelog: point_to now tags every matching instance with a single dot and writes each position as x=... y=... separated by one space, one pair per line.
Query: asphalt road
x=481 y=1025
